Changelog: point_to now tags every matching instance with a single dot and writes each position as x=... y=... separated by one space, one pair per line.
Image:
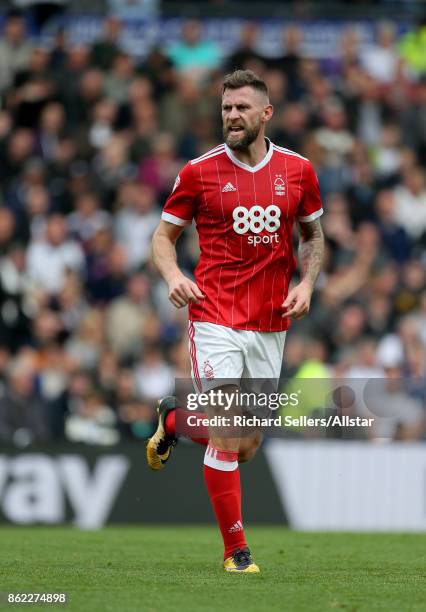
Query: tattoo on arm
x=311 y=250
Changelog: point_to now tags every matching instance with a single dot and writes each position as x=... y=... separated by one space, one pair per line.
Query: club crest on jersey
x=208 y=370
x=279 y=185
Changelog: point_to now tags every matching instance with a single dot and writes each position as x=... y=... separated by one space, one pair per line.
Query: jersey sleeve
x=310 y=207
x=180 y=205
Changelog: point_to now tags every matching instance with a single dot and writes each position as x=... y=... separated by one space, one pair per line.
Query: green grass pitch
x=129 y=569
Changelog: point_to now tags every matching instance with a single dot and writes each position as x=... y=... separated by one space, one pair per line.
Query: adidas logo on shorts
x=229 y=187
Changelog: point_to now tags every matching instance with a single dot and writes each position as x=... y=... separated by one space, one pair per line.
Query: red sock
x=176 y=424
x=222 y=478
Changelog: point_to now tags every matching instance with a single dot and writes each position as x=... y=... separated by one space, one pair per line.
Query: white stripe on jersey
x=216 y=151
x=288 y=152
x=175 y=220
x=312 y=216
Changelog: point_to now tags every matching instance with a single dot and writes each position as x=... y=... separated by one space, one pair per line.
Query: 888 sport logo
x=255 y=220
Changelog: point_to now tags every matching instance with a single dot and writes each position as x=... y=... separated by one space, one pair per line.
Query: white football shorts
x=222 y=355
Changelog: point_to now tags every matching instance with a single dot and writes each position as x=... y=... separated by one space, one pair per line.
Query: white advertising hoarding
x=352 y=486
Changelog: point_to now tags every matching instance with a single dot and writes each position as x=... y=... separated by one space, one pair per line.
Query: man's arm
x=311 y=254
x=311 y=250
x=181 y=289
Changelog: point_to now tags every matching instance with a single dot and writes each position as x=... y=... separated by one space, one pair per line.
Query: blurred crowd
x=91 y=142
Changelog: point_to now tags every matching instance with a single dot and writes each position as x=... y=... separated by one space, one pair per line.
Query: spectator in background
x=380 y=60
x=160 y=71
x=71 y=304
x=33 y=89
x=361 y=186
x=101 y=128
x=17 y=149
x=364 y=360
x=277 y=86
x=80 y=385
x=107 y=373
x=32 y=176
x=380 y=315
x=352 y=269
x=88 y=218
x=412 y=48
x=193 y=56
x=370 y=111
x=7 y=229
x=6 y=124
x=349 y=52
x=414 y=122
x=51 y=128
x=15 y=309
x=106 y=268
x=348 y=330
x=160 y=169
x=93 y=422
x=153 y=376
x=410 y=203
x=137 y=217
x=337 y=225
x=118 y=79
x=140 y=96
x=49 y=260
x=15 y=49
x=291 y=125
x=126 y=317
x=181 y=108
x=52 y=380
x=80 y=90
x=246 y=55
x=111 y=166
x=36 y=70
x=289 y=63
x=397 y=415
x=37 y=206
x=46 y=331
x=23 y=418
x=387 y=157
x=337 y=142
x=58 y=54
x=409 y=292
x=106 y=49
x=394 y=237
x=85 y=346
x=137 y=416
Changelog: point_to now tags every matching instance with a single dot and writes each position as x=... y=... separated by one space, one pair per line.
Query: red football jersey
x=244 y=217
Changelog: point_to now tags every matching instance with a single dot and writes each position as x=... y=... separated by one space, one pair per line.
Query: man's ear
x=268 y=111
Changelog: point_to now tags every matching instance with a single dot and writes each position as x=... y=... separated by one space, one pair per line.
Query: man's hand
x=183 y=290
x=297 y=303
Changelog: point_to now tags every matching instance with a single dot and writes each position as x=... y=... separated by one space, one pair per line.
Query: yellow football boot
x=160 y=445
x=241 y=562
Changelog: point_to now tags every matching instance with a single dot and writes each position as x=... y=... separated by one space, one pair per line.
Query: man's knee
x=248 y=448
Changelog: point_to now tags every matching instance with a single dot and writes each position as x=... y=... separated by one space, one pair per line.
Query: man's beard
x=249 y=135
